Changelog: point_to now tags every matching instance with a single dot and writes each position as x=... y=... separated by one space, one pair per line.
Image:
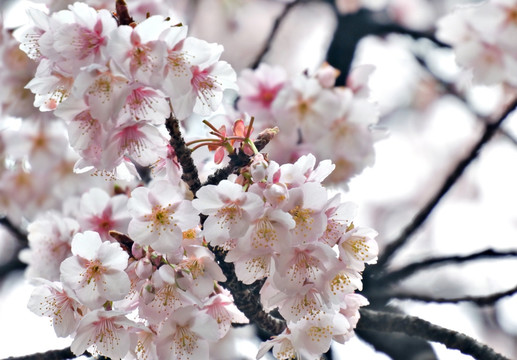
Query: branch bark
x=389 y=322
x=478 y=300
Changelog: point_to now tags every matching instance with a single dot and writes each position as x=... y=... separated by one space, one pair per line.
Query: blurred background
x=434 y=115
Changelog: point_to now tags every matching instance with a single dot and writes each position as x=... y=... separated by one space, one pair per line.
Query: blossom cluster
x=154 y=292
x=126 y=268
x=114 y=85
x=314 y=116
x=287 y=230
x=481 y=35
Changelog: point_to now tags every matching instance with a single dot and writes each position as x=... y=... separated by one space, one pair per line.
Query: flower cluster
x=115 y=85
x=287 y=230
x=128 y=269
x=482 y=36
x=314 y=116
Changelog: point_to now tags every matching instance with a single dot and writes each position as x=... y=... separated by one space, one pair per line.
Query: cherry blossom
x=96 y=270
x=105 y=331
x=52 y=300
x=101 y=213
x=230 y=210
x=185 y=335
x=159 y=216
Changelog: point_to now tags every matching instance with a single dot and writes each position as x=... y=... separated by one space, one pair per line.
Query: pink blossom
x=50 y=299
x=50 y=237
x=106 y=331
x=200 y=265
x=313 y=336
x=81 y=41
x=160 y=215
x=138 y=51
x=258 y=89
x=230 y=211
x=101 y=213
x=96 y=271
x=160 y=298
x=357 y=247
x=185 y=335
x=221 y=307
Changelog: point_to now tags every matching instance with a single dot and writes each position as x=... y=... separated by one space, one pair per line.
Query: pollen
x=358 y=247
x=161 y=219
x=265 y=235
x=94 y=270
x=303 y=218
x=228 y=215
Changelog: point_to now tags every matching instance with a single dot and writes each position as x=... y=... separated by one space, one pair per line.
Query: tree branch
x=241 y=159
x=478 y=300
x=244 y=297
x=422 y=215
x=14 y=230
x=414 y=326
x=411 y=269
x=49 y=355
x=183 y=153
x=276 y=25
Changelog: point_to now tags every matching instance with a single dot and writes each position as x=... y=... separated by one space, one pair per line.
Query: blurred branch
x=422 y=215
x=14 y=230
x=449 y=88
x=11 y=265
x=353 y=27
x=478 y=300
x=389 y=322
x=276 y=25
x=122 y=16
x=394 y=28
x=411 y=269
x=49 y=355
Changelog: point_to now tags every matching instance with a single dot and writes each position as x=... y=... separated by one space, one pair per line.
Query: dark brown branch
x=244 y=297
x=411 y=269
x=478 y=300
x=183 y=153
x=422 y=215
x=49 y=355
x=394 y=28
x=272 y=33
x=122 y=16
x=413 y=326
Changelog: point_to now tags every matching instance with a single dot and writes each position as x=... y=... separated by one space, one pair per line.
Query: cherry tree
x=163 y=197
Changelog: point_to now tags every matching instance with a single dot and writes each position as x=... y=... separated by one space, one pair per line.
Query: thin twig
x=241 y=159
x=478 y=300
x=276 y=25
x=411 y=269
x=450 y=89
x=414 y=326
x=422 y=215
